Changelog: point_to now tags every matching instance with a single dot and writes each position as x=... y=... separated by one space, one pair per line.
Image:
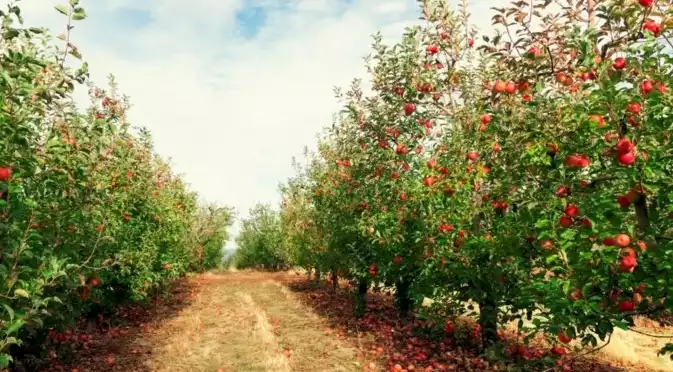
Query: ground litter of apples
x=252 y=321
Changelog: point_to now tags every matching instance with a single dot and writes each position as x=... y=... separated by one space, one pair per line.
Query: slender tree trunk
x=335 y=280
x=403 y=298
x=488 y=320
x=316 y=278
x=642 y=215
x=361 y=299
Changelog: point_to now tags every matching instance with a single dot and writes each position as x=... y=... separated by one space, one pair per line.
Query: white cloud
x=231 y=112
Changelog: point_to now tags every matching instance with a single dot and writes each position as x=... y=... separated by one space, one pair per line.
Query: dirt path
x=231 y=322
x=259 y=322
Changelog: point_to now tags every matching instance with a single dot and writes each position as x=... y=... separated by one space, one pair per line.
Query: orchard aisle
x=223 y=322
x=277 y=322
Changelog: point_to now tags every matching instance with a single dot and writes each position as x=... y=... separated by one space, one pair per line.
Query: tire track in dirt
x=274 y=360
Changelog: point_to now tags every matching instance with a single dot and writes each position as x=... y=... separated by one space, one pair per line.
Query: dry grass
x=637 y=350
x=242 y=321
x=263 y=322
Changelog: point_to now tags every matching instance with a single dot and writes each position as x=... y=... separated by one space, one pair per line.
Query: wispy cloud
x=231 y=89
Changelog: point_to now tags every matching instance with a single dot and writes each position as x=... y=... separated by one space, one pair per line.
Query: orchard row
x=527 y=172
x=90 y=217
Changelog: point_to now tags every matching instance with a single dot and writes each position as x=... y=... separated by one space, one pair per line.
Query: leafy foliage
x=89 y=215
x=259 y=242
x=525 y=177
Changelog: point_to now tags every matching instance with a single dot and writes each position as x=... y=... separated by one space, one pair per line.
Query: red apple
x=627 y=264
x=623 y=201
x=577 y=161
x=432 y=49
x=646 y=87
x=485 y=118
x=547 y=245
x=598 y=119
x=626 y=306
x=534 y=52
x=552 y=148
x=661 y=88
x=563 y=338
x=627 y=158
x=444 y=228
x=624 y=145
x=571 y=210
x=646 y=3
x=622 y=240
x=566 y=221
x=619 y=63
x=500 y=86
x=472 y=156
x=562 y=191
x=510 y=87
x=559 y=350
x=634 y=107
x=401 y=150
x=449 y=327
x=409 y=108
x=5 y=174
x=575 y=295
x=430 y=180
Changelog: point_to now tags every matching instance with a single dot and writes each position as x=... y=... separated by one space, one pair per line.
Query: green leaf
x=542 y=223
x=74 y=3
x=22 y=293
x=10 y=311
x=4 y=360
x=621 y=325
x=15 y=326
x=8 y=79
x=75 y=53
x=63 y=9
x=79 y=14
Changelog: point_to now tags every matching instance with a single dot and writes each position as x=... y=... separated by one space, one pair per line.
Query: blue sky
x=231 y=89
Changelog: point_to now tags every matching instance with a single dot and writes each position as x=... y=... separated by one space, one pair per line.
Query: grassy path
x=244 y=322
x=260 y=322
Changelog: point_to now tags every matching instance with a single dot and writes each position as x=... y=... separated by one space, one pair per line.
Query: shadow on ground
x=110 y=344
x=405 y=346
x=280 y=322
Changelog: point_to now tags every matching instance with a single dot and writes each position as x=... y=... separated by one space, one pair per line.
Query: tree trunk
x=316 y=278
x=403 y=298
x=335 y=280
x=642 y=215
x=361 y=299
x=488 y=320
